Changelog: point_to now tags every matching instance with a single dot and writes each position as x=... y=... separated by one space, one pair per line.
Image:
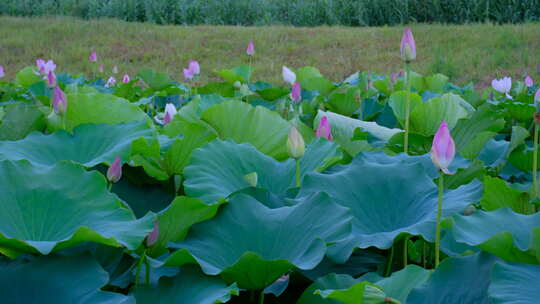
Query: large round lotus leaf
x=330 y=281
x=257 y=245
x=188 y=287
x=50 y=208
x=89 y=144
x=219 y=168
x=99 y=109
x=387 y=199
x=57 y=280
x=514 y=284
x=457 y=280
x=511 y=236
x=19 y=120
x=263 y=128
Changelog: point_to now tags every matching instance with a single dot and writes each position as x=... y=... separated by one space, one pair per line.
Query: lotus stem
x=147 y=273
x=298 y=178
x=389 y=263
x=439 y=213
x=139 y=267
x=535 y=162
x=407 y=108
x=261 y=297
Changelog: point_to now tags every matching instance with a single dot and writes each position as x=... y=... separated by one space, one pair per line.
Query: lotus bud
x=324 y=129
x=40 y=63
x=101 y=69
x=51 y=79
x=153 y=237
x=251 y=179
x=194 y=67
x=503 y=85
x=288 y=75
x=115 y=70
x=296 y=92
x=408 y=46
x=59 y=101
x=469 y=210
x=250 y=49
x=111 y=82
x=114 y=173
x=295 y=144
x=170 y=111
x=2 y=73
x=188 y=74
x=528 y=81
x=443 y=148
x=126 y=78
x=93 y=56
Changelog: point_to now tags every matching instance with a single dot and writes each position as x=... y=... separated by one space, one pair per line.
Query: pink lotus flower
x=45 y=67
x=188 y=74
x=324 y=129
x=51 y=80
x=503 y=85
x=153 y=237
x=114 y=173
x=296 y=92
x=126 y=78
x=59 y=101
x=250 y=48
x=170 y=111
x=115 y=70
x=93 y=56
x=111 y=82
x=2 y=73
x=443 y=148
x=288 y=75
x=408 y=46
x=528 y=81
x=194 y=67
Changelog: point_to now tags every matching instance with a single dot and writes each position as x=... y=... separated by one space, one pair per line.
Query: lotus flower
x=115 y=70
x=126 y=78
x=188 y=74
x=503 y=85
x=153 y=237
x=93 y=56
x=44 y=68
x=170 y=111
x=2 y=73
x=51 y=79
x=528 y=81
x=111 y=82
x=114 y=173
x=295 y=144
x=194 y=67
x=59 y=101
x=288 y=75
x=296 y=92
x=324 y=129
x=443 y=149
x=408 y=46
x=101 y=69
x=250 y=48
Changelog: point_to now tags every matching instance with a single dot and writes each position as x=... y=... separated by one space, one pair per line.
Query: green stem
x=249 y=75
x=261 y=297
x=139 y=266
x=110 y=186
x=439 y=213
x=407 y=108
x=405 y=253
x=535 y=162
x=389 y=263
x=298 y=179
x=147 y=273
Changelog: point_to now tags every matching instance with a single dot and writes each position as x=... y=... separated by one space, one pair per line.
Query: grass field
x=465 y=53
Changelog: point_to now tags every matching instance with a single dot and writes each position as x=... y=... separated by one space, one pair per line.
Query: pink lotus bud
x=250 y=48
x=59 y=101
x=93 y=56
x=44 y=68
x=296 y=92
x=40 y=63
x=170 y=111
x=153 y=237
x=324 y=129
x=2 y=73
x=51 y=79
x=114 y=173
x=194 y=67
x=111 y=82
x=443 y=149
x=101 y=69
x=126 y=78
x=115 y=70
x=295 y=144
x=288 y=75
x=188 y=75
x=503 y=85
x=167 y=119
x=528 y=81
x=408 y=47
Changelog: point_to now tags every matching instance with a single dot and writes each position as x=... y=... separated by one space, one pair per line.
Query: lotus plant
x=170 y=111
x=59 y=101
x=324 y=129
x=443 y=151
x=408 y=54
x=2 y=73
x=114 y=173
x=93 y=56
x=250 y=51
x=150 y=240
x=503 y=85
x=296 y=148
x=288 y=75
x=192 y=71
x=529 y=81
x=126 y=78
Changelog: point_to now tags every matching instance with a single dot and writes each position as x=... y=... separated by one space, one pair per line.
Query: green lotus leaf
x=400 y=283
x=426 y=117
x=398 y=103
x=241 y=122
x=359 y=293
x=51 y=208
x=330 y=281
x=272 y=94
x=388 y=198
x=257 y=245
x=19 y=120
x=27 y=76
x=219 y=168
x=89 y=144
x=57 y=280
x=344 y=102
x=188 y=287
x=498 y=194
x=240 y=73
x=514 y=283
x=436 y=83
x=153 y=79
x=457 y=280
x=511 y=236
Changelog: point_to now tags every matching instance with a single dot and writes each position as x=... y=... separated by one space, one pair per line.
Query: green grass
x=466 y=52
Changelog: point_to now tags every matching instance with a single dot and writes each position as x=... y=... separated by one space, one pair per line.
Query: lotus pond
x=401 y=188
